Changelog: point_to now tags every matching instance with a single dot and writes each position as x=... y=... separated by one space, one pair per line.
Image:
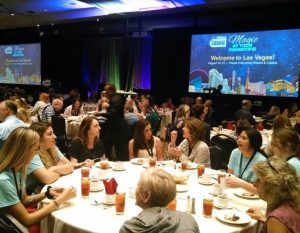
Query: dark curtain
x=124 y=62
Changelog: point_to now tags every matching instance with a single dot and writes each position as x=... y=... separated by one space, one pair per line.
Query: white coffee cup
x=222 y=200
x=206 y=178
x=95 y=184
x=110 y=198
x=119 y=165
x=217 y=189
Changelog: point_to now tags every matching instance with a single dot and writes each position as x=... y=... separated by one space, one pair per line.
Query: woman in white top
x=144 y=144
x=193 y=147
x=39 y=106
x=75 y=109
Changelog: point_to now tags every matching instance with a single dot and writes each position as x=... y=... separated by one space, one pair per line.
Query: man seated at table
x=245 y=113
x=156 y=188
x=51 y=110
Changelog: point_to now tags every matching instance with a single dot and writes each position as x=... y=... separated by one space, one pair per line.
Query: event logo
x=218 y=41
x=8 y=50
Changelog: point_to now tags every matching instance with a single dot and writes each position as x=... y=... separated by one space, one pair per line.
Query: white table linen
x=81 y=216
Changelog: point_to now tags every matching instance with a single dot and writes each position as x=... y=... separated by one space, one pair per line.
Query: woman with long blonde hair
x=17 y=152
x=49 y=161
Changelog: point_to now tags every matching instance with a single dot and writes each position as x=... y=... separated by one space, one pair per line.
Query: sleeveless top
x=287 y=215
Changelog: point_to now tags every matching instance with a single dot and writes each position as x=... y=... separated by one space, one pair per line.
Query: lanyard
x=241 y=160
x=149 y=150
x=16 y=183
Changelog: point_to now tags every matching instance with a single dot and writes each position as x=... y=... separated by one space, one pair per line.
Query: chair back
x=59 y=126
x=226 y=144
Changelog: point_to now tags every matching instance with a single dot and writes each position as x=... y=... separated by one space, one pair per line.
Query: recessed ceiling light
x=37 y=25
x=97 y=20
x=12 y=14
x=52 y=24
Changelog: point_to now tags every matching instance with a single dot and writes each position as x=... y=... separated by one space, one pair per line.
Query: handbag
x=7 y=226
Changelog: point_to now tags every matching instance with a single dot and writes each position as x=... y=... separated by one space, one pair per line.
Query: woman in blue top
x=243 y=158
x=17 y=152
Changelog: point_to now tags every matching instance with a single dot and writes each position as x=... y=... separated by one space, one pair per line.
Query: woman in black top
x=87 y=146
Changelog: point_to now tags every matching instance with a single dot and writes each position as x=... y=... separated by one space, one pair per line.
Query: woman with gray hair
x=277 y=184
x=156 y=188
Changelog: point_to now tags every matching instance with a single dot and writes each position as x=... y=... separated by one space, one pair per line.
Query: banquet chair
x=59 y=129
x=216 y=158
x=226 y=144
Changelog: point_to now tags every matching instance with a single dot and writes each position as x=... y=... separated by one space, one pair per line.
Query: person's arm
x=19 y=211
x=276 y=226
x=46 y=176
x=63 y=169
x=201 y=153
x=158 y=148
x=235 y=182
x=130 y=149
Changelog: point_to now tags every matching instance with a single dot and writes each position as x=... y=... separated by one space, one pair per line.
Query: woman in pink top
x=278 y=184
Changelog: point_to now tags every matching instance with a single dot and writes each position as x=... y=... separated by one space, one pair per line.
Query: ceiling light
x=12 y=14
x=37 y=25
x=52 y=24
x=45 y=10
x=97 y=20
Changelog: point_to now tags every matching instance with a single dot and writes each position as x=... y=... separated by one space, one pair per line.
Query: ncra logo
x=218 y=41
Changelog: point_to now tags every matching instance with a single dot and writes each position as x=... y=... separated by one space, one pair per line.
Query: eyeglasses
x=271 y=166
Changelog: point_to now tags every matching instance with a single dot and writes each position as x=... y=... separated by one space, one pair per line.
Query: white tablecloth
x=80 y=215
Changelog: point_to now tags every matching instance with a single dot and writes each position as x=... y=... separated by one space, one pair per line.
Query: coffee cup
x=95 y=184
x=110 y=198
x=119 y=165
x=206 y=178
x=222 y=200
x=217 y=189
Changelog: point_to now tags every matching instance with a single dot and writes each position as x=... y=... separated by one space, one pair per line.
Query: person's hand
x=66 y=195
x=175 y=151
x=233 y=181
x=56 y=191
x=173 y=137
x=255 y=213
x=62 y=161
x=89 y=163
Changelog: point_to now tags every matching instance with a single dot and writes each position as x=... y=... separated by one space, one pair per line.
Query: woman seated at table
x=144 y=144
x=286 y=144
x=87 y=146
x=49 y=163
x=155 y=190
x=75 y=109
x=281 y=121
x=277 y=184
x=16 y=154
x=243 y=158
x=193 y=147
x=268 y=119
x=182 y=113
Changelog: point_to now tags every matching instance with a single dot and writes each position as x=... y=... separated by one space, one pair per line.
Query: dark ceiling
x=30 y=13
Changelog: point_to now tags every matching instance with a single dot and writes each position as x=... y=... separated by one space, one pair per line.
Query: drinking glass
x=120 y=202
x=208 y=202
x=200 y=169
x=85 y=172
x=152 y=162
x=221 y=174
x=104 y=163
x=85 y=187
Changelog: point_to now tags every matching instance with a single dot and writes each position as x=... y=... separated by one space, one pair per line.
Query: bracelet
x=56 y=204
x=48 y=194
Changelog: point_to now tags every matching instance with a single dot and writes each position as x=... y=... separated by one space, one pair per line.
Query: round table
x=82 y=215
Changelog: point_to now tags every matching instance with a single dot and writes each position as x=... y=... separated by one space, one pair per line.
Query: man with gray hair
x=8 y=111
x=156 y=188
x=51 y=110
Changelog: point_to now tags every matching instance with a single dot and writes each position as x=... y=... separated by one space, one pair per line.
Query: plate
x=245 y=194
x=138 y=161
x=229 y=206
x=214 y=194
x=181 y=188
x=205 y=183
x=119 y=169
x=226 y=216
x=191 y=166
x=108 y=203
x=97 y=164
x=171 y=163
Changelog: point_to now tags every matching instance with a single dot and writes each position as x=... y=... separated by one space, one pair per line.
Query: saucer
x=200 y=180
x=96 y=190
x=108 y=203
x=214 y=194
x=229 y=206
x=118 y=169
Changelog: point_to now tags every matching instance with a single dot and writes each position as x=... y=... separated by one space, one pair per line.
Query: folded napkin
x=110 y=186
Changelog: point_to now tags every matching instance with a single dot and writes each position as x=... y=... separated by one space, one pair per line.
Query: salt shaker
x=188 y=204
x=193 y=206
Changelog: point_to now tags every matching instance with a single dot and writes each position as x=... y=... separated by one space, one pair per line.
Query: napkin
x=110 y=186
